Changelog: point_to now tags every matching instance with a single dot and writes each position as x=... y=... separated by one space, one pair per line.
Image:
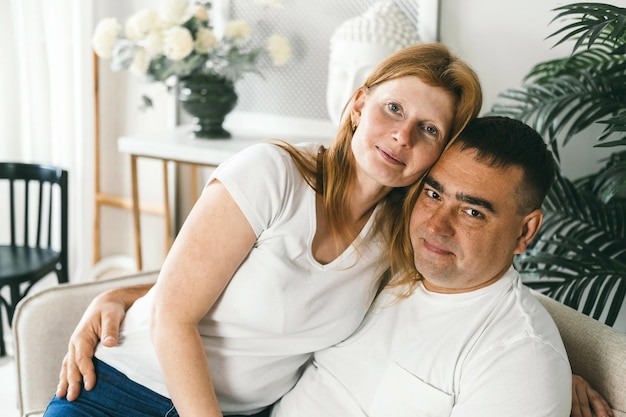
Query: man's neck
x=444 y=290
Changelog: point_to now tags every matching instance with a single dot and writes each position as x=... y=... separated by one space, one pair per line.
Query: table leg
x=194 y=184
x=166 y=207
x=136 y=216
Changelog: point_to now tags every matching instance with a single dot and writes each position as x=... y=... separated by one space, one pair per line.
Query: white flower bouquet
x=179 y=41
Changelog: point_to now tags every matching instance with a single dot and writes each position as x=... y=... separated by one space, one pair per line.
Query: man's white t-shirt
x=280 y=306
x=490 y=352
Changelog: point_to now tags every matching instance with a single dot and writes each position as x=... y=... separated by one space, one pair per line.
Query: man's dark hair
x=502 y=142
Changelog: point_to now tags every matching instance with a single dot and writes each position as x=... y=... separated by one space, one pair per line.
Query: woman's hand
x=585 y=400
x=100 y=322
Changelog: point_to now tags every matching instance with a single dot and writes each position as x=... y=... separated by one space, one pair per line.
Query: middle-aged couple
x=331 y=282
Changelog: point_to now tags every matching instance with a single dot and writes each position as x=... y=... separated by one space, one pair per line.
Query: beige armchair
x=44 y=321
x=42 y=325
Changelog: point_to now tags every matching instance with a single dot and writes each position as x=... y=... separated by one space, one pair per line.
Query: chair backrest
x=26 y=181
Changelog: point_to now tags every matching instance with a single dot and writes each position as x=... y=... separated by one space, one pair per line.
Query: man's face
x=465 y=227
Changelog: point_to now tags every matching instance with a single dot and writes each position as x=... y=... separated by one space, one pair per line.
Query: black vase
x=208 y=99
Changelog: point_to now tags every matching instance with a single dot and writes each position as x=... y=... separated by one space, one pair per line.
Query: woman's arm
x=100 y=322
x=210 y=247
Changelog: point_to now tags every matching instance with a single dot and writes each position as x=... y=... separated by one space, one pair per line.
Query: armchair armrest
x=42 y=325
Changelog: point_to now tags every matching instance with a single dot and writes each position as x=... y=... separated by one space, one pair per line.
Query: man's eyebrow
x=430 y=181
x=476 y=201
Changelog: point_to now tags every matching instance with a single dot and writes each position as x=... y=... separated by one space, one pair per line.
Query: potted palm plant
x=579 y=258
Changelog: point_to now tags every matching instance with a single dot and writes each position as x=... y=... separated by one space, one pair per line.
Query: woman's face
x=349 y=65
x=403 y=126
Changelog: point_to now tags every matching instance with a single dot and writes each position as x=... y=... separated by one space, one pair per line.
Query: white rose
x=177 y=43
x=104 y=37
x=153 y=43
x=279 y=49
x=205 y=40
x=200 y=13
x=140 y=24
x=140 y=63
x=173 y=10
x=237 y=29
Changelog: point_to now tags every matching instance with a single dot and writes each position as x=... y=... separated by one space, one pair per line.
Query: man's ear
x=530 y=226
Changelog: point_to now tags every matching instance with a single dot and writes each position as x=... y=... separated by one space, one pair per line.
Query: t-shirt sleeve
x=261 y=180
x=525 y=379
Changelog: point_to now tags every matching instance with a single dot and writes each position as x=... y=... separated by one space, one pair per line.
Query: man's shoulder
x=521 y=318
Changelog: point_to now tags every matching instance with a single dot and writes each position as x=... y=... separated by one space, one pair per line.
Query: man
x=470 y=340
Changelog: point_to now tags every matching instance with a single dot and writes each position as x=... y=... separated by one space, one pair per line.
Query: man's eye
x=432 y=194
x=474 y=213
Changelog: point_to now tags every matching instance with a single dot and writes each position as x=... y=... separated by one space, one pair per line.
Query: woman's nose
x=403 y=134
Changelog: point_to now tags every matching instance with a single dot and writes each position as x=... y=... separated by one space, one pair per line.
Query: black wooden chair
x=36 y=227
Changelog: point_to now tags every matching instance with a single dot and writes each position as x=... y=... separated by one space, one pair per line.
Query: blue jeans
x=116 y=396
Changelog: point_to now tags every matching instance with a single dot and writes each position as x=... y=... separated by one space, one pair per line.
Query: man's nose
x=440 y=222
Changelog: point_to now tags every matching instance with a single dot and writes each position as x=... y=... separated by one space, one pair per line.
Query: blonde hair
x=434 y=64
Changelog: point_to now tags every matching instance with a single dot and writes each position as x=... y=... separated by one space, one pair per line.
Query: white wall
x=500 y=39
x=503 y=40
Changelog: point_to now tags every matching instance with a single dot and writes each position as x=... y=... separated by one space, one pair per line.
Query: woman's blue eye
x=393 y=107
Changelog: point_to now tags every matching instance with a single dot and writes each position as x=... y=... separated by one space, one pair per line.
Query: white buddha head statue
x=358 y=45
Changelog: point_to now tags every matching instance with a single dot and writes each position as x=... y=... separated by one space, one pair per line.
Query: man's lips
x=435 y=247
x=390 y=157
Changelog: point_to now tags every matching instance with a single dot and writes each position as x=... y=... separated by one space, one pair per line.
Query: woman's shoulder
x=276 y=157
x=266 y=162
x=275 y=150
x=279 y=148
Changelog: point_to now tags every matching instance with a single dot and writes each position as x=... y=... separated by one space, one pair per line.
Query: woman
x=278 y=257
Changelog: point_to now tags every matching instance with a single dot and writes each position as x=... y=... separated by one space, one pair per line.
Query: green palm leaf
x=597 y=22
x=607 y=182
x=579 y=255
x=563 y=106
x=615 y=125
x=597 y=61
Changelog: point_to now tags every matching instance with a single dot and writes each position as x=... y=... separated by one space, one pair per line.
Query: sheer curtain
x=47 y=112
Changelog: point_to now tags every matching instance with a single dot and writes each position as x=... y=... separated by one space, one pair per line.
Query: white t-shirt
x=491 y=352
x=280 y=306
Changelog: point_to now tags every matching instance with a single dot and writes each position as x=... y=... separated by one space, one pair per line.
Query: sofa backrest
x=596 y=352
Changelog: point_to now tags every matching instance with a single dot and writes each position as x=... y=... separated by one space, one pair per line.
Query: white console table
x=176 y=145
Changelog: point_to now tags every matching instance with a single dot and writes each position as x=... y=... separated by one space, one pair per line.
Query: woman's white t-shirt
x=281 y=305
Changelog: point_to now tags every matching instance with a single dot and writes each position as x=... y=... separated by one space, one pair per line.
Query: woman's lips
x=388 y=156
